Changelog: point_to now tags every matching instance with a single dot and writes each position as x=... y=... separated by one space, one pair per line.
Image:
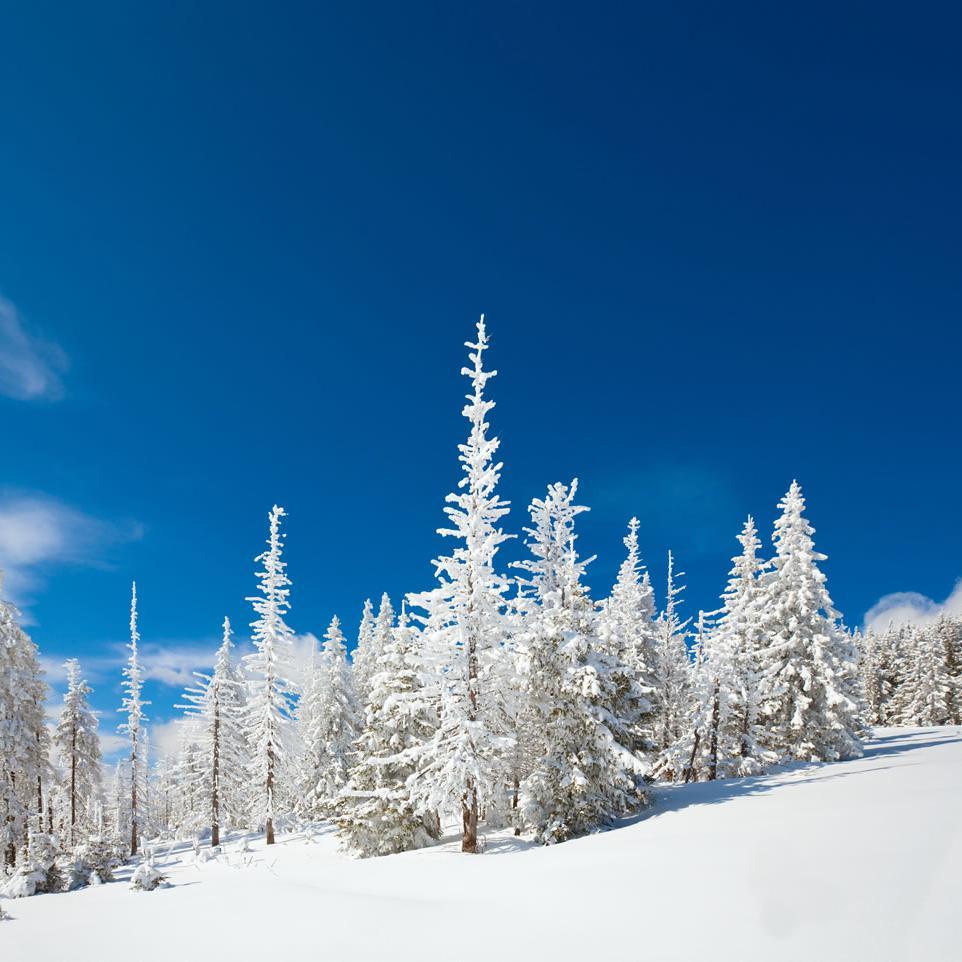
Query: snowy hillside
x=855 y=860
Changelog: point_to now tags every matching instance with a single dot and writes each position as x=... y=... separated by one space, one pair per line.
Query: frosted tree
x=133 y=707
x=672 y=667
x=337 y=718
x=628 y=630
x=376 y=814
x=78 y=750
x=573 y=726
x=269 y=708
x=925 y=696
x=949 y=633
x=215 y=705
x=364 y=658
x=24 y=738
x=462 y=767
x=809 y=686
x=726 y=674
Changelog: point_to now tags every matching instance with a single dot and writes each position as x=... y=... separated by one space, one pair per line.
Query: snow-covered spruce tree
x=627 y=629
x=672 y=668
x=462 y=766
x=24 y=739
x=269 y=709
x=376 y=814
x=723 y=737
x=215 y=706
x=949 y=631
x=925 y=696
x=133 y=706
x=580 y=702
x=78 y=749
x=808 y=689
x=337 y=722
x=363 y=658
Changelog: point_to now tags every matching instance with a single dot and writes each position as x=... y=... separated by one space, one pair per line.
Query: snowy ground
x=854 y=861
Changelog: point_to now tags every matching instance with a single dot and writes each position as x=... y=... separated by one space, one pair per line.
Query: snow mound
x=850 y=861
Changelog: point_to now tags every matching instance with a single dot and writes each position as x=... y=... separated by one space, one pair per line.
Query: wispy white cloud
x=912 y=608
x=37 y=531
x=31 y=367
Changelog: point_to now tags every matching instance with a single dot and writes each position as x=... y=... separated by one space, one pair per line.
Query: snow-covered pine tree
x=363 y=658
x=673 y=666
x=133 y=706
x=580 y=702
x=78 y=749
x=949 y=631
x=269 y=709
x=337 y=719
x=215 y=705
x=462 y=768
x=723 y=738
x=628 y=630
x=24 y=739
x=808 y=689
x=376 y=814
x=925 y=696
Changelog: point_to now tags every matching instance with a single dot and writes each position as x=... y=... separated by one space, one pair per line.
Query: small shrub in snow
x=147 y=877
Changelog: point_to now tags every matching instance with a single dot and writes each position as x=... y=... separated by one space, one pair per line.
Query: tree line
x=502 y=697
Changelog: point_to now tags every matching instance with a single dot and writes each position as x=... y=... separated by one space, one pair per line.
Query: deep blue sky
x=718 y=248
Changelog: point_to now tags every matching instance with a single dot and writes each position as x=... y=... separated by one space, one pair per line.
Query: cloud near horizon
x=912 y=608
x=37 y=531
x=30 y=367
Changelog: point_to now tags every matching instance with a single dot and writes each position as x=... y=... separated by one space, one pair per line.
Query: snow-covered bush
x=147 y=877
x=39 y=872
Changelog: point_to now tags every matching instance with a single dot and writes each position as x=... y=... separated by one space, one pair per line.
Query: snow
x=853 y=860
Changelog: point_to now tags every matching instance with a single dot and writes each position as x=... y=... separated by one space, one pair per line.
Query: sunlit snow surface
x=853 y=861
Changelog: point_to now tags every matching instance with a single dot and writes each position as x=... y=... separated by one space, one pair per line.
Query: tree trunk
x=133 y=800
x=73 y=786
x=215 y=786
x=269 y=826
x=713 y=743
x=690 y=770
x=514 y=805
x=469 y=818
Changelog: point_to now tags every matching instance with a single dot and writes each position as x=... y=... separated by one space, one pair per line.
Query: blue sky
x=241 y=247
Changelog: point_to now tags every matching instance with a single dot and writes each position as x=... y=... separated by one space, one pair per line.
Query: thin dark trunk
x=514 y=805
x=269 y=826
x=469 y=819
x=215 y=787
x=690 y=770
x=133 y=797
x=73 y=785
x=713 y=742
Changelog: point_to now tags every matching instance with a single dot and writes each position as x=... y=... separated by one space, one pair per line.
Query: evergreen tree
x=364 y=658
x=574 y=726
x=672 y=667
x=133 y=705
x=809 y=684
x=215 y=705
x=464 y=619
x=271 y=692
x=78 y=749
x=24 y=738
x=925 y=696
x=376 y=814
x=628 y=631
x=337 y=719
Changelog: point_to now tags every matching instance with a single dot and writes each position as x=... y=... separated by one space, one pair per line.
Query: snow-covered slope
x=859 y=860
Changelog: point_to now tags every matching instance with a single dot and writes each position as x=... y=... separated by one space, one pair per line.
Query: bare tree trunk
x=514 y=805
x=690 y=770
x=269 y=826
x=469 y=819
x=215 y=786
x=133 y=798
x=713 y=743
x=73 y=786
